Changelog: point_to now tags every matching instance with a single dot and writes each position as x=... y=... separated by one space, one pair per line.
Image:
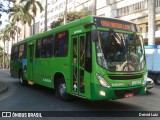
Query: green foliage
x=32 y=5
x=71 y=16
x=57 y=23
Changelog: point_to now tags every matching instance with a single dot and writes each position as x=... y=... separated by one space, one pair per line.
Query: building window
x=56 y=8
x=36 y=27
x=42 y=22
x=132 y=8
x=102 y=15
x=157 y=3
x=54 y=1
x=108 y=2
x=48 y=27
x=69 y=1
x=42 y=30
x=157 y=27
x=61 y=6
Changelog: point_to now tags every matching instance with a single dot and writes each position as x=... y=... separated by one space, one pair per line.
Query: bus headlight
x=102 y=81
x=145 y=78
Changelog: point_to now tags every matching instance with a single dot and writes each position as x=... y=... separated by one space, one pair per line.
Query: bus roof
x=84 y=20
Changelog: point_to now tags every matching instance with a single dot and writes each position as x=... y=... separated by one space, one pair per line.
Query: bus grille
x=126 y=77
x=121 y=93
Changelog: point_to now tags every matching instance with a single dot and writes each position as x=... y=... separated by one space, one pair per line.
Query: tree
x=57 y=23
x=71 y=16
x=11 y=29
x=1 y=56
x=32 y=6
x=26 y=18
x=4 y=38
x=16 y=14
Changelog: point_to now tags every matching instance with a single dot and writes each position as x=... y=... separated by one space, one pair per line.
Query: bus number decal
x=138 y=82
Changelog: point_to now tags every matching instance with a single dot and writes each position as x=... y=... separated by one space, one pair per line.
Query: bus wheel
x=21 y=80
x=61 y=91
x=158 y=80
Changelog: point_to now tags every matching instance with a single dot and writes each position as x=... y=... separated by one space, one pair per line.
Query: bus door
x=30 y=62
x=80 y=78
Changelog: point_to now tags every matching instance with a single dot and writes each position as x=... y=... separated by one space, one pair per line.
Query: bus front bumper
x=103 y=93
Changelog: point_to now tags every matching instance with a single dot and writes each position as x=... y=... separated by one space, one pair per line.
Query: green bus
x=95 y=58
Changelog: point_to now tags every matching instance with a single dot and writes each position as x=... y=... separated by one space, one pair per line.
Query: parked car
x=150 y=83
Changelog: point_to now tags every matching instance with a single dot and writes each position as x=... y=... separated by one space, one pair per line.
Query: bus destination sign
x=115 y=24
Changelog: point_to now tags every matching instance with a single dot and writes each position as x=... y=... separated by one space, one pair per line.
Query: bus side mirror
x=89 y=25
x=94 y=34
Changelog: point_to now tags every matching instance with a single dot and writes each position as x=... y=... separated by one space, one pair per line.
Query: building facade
x=55 y=10
x=135 y=11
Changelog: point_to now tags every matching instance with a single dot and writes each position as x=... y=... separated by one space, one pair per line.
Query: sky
x=4 y=17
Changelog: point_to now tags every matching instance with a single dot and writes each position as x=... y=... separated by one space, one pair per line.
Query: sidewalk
x=3 y=87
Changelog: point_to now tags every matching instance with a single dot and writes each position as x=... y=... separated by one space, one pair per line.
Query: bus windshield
x=120 y=51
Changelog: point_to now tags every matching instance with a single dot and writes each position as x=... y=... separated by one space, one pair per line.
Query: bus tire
x=21 y=80
x=61 y=90
x=157 y=80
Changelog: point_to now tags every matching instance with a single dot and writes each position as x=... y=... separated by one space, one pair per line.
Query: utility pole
x=65 y=12
x=94 y=7
x=45 y=21
x=74 y=5
x=151 y=22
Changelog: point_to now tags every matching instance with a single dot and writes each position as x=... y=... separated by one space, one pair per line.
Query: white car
x=150 y=83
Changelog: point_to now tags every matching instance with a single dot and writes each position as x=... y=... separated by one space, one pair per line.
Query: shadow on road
x=87 y=105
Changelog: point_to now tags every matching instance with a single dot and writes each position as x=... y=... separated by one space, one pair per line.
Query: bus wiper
x=117 y=37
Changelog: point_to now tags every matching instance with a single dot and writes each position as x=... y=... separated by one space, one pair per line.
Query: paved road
x=37 y=98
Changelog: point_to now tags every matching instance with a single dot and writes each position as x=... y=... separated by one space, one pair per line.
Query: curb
x=3 y=87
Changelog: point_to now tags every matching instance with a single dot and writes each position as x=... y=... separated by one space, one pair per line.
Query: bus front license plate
x=127 y=95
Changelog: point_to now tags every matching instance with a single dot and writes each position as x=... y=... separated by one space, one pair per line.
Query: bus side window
x=12 y=53
x=88 y=57
x=21 y=51
x=43 y=48
x=25 y=51
x=38 y=49
x=16 y=52
x=47 y=47
x=61 y=44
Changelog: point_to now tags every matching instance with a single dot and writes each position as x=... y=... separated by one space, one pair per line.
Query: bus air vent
x=126 y=77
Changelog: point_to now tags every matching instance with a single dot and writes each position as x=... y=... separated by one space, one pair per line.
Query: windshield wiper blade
x=117 y=37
